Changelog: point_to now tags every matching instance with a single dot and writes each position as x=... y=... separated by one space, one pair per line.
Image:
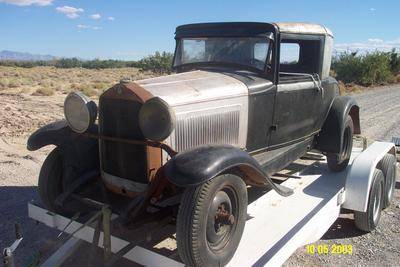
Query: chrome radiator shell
x=210 y=108
x=213 y=126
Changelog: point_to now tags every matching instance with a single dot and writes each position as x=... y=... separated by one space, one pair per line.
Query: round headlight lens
x=80 y=112
x=156 y=119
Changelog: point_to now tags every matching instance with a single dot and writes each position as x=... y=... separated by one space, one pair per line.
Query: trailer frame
x=300 y=219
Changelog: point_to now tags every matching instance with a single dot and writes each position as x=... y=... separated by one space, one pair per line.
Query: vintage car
x=247 y=99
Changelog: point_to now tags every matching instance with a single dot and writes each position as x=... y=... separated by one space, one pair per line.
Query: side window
x=195 y=50
x=260 y=51
x=290 y=53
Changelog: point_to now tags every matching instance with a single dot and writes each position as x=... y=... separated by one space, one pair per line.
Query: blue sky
x=133 y=29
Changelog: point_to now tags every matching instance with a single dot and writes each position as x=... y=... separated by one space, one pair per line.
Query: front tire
x=339 y=162
x=368 y=220
x=50 y=182
x=211 y=220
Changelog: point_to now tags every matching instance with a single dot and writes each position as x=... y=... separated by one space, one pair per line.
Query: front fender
x=56 y=133
x=80 y=154
x=331 y=136
x=198 y=165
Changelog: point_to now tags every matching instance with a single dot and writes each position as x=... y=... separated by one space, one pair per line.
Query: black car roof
x=224 y=29
x=248 y=29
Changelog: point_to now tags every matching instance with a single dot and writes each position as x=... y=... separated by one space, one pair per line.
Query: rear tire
x=211 y=220
x=368 y=221
x=339 y=162
x=388 y=167
x=50 y=181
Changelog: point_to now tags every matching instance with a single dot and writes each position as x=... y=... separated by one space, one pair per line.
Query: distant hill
x=19 y=56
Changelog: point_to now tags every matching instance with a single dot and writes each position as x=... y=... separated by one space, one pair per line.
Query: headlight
x=156 y=119
x=80 y=112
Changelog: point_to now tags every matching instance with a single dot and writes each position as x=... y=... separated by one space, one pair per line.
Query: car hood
x=193 y=87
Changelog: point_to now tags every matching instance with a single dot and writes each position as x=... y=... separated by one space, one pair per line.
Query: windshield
x=247 y=51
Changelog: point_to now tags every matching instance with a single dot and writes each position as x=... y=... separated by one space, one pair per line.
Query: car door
x=297 y=105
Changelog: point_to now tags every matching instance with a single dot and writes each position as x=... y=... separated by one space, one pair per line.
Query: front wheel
x=211 y=220
x=339 y=162
x=50 y=184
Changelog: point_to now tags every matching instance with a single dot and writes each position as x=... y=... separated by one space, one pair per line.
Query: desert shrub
x=159 y=62
x=14 y=83
x=44 y=91
x=4 y=83
x=87 y=90
x=368 y=69
x=394 y=62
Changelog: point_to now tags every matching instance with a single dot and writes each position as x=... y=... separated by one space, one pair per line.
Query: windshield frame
x=204 y=64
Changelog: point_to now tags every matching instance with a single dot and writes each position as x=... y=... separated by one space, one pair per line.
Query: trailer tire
x=206 y=236
x=368 y=220
x=388 y=166
x=50 y=181
x=339 y=162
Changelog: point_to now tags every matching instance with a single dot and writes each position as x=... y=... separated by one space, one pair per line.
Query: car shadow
x=397 y=185
x=343 y=227
x=38 y=239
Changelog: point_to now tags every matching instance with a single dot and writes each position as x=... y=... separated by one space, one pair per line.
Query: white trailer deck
x=276 y=225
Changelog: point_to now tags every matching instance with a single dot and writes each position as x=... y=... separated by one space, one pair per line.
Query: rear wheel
x=339 y=162
x=388 y=167
x=211 y=220
x=368 y=220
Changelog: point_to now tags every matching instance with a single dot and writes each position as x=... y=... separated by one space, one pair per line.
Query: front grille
x=119 y=118
x=215 y=126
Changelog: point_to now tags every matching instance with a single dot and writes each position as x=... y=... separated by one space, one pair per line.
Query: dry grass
x=47 y=91
x=49 y=80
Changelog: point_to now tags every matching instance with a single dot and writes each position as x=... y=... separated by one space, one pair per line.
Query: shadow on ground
x=14 y=208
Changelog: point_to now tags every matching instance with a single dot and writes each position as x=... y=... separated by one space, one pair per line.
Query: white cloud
x=69 y=11
x=95 y=16
x=83 y=26
x=372 y=9
x=28 y=2
x=372 y=44
x=111 y=18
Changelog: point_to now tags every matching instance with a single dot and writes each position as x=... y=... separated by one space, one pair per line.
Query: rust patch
x=120 y=191
x=134 y=92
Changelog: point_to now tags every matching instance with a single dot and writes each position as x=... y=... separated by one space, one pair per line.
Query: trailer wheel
x=211 y=220
x=388 y=166
x=338 y=162
x=367 y=221
x=50 y=181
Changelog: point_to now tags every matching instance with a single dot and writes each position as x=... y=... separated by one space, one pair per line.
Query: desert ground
x=30 y=98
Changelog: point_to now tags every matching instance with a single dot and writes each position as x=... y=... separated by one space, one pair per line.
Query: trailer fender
x=330 y=137
x=198 y=165
x=359 y=177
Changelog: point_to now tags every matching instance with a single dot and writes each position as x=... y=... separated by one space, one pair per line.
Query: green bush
x=159 y=62
x=368 y=69
x=394 y=62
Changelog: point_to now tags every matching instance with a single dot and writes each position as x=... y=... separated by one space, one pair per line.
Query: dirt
x=20 y=114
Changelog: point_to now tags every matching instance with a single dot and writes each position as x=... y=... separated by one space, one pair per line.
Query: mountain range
x=20 y=56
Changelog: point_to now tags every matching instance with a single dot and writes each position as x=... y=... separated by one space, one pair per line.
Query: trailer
x=276 y=226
